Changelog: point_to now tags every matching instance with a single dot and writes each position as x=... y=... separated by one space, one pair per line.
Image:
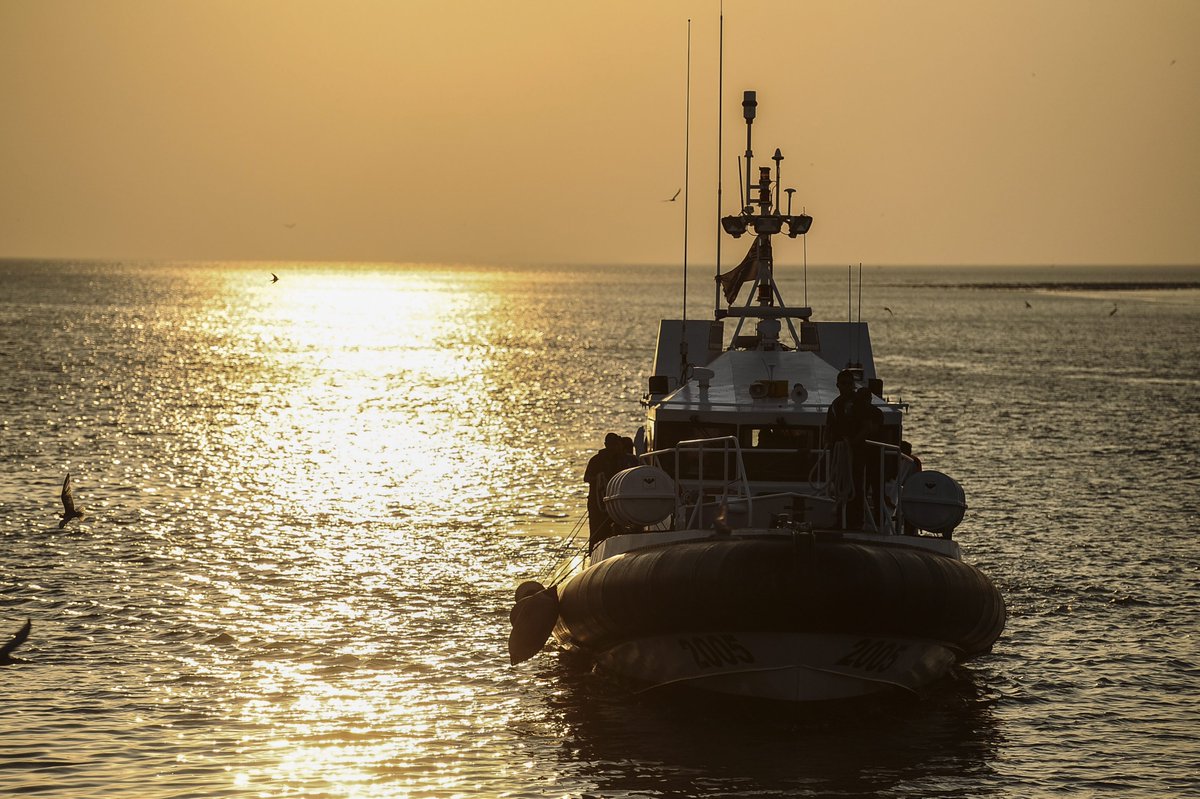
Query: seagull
x=6 y=657
x=68 y=500
x=674 y=196
x=274 y=278
x=889 y=310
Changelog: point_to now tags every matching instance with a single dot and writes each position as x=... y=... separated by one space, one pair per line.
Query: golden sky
x=542 y=131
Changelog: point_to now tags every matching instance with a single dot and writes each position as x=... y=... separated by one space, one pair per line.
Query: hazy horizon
x=932 y=133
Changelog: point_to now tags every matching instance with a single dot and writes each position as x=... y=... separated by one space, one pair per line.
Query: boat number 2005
x=871 y=654
x=711 y=651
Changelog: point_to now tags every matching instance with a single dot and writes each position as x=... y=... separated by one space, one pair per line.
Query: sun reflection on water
x=369 y=417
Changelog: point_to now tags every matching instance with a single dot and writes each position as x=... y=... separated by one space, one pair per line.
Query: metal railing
x=722 y=447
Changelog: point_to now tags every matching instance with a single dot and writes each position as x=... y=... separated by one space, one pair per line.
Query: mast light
x=798 y=225
x=734 y=225
x=749 y=105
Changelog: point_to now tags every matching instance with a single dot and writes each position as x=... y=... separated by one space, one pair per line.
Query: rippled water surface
x=309 y=501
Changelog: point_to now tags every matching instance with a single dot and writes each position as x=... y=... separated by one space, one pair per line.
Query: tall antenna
x=858 y=327
x=849 y=293
x=860 y=292
x=687 y=133
x=720 y=148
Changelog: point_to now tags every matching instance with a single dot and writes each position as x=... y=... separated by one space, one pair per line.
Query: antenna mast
x=720 y=149
x=687 y=133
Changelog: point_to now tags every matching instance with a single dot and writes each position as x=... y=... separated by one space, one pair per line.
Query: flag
x=731 y=282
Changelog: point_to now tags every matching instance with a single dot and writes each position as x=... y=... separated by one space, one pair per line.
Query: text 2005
x=711 y=651
x=871 y=654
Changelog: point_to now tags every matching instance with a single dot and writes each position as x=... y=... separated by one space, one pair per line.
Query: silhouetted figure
x=274 y=278
x=70 y=510
x=627 y=459
x=852 y=419
x=839 y=427
x=603 y=465
x=838 y=420
x=6 y=651
x=868 y=425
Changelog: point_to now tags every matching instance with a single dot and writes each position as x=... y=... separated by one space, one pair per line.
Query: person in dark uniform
x=852 y=419
x=603 y=465
x=627 y=459
x=839 y=429
x=839 y=422
x=868 y=425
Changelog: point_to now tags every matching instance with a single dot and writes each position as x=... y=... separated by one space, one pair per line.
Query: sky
x=924 y=132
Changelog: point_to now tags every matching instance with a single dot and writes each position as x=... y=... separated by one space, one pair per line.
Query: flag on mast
x=731 y=282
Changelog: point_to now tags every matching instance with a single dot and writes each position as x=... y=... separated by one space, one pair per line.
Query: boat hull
x=787 y=667
x=783 y=616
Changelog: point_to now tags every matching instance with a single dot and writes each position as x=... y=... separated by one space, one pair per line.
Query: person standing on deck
x=839 y=428
x=603 y=465
x=868 y=425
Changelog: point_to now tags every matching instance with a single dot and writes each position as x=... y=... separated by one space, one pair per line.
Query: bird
x=6 y=657
x=70 y=511
x=1114 y=310
x=274 y=278
x=889 y=310
x=674 y=196
x=1027 y=305
x=289 y=225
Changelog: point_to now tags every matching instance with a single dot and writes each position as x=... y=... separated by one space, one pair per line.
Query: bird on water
x=6 y=657
x=70 y=510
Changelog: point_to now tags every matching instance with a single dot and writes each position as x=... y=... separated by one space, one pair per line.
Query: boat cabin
x=749 y=421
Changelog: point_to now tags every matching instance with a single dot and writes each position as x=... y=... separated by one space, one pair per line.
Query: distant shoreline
x=1133 y=285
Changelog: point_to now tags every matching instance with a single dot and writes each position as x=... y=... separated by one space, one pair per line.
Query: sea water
x=308 y=503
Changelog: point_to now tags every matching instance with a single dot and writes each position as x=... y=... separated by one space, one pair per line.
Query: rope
x=841 y=478
x=564 y=555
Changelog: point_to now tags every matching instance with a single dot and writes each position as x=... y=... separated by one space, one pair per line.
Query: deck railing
x=711 y=472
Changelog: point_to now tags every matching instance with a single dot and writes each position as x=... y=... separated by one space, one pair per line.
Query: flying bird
x=674 y=196
x=274 y=278
x=289 y=225
x=68 y=500
x=1113 y=311
x=889 y=310
x=6 y=657
x=1027 y=305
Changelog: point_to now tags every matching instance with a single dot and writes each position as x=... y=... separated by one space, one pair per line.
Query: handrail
x=725 y=445
x=698 y=445
x=897 y=515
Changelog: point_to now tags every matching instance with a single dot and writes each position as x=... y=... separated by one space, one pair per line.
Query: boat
x=755 y=550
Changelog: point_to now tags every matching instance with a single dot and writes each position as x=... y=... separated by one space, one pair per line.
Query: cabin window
x=780 y=452
x=716 y=464
x=669 y=434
